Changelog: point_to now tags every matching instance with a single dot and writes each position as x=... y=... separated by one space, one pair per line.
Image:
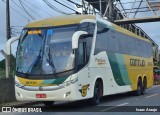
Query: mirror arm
x=76 y=37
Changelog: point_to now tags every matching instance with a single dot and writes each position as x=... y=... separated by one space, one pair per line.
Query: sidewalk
x=19 y=104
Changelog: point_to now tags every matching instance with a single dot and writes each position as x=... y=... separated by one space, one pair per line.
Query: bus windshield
x=45 y=51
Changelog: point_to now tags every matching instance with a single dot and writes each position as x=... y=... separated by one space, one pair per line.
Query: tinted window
x=88 y=27
x=102 y=41
x=116 y=42
x=124 y=46
x=113 y=42
x=81 y=53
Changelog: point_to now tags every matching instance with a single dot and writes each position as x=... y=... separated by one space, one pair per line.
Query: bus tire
x=139 y=88
x=144 y=86
x=48 y=103
x=96 y=94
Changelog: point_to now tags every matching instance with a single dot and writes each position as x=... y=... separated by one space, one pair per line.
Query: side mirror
x=8 y=45
x=76 y=37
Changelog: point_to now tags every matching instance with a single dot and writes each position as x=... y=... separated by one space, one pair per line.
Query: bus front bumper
x=69 y=93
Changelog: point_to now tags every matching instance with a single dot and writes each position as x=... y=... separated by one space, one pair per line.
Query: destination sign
x=34 y=32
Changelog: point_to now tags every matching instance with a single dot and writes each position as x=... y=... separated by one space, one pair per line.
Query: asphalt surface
x=110 y=103
x=114 y=104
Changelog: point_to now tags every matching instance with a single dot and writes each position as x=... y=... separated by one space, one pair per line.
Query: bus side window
x=81 y=55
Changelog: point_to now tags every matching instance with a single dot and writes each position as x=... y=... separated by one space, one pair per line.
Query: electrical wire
x=26 y=6
x=78 y=5
x=37 y=7
x=54 y=8
x=17 y=4
x=26 y=10
x=17 y=11
x=65 y=5
x=68 y=3
x=31 y=9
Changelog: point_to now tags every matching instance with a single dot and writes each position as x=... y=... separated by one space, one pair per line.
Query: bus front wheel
x=97 y=94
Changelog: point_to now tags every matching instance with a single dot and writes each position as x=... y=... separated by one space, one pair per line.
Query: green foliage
x=2 y=73
x=2 y=68
x=2 y=64
x=12 y=66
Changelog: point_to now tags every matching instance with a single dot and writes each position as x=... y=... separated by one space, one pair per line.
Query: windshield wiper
x=38 y=58
x=35 y=62
x=50 y=61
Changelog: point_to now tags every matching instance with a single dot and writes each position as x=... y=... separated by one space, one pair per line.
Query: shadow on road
x=84 y=105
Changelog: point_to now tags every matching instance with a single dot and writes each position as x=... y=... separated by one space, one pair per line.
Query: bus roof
x=58 y=21
x=127 y=32
x=75 y=19
x=122 y=30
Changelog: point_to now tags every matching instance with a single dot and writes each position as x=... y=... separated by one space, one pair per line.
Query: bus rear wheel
x=48 y=103
x=139 y=88
x=144 y=86
x=97 y=94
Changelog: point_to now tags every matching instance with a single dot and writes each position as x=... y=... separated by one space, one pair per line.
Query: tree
x=12 y=68
x=2 y=64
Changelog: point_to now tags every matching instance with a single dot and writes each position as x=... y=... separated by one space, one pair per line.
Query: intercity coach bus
x=78 y=57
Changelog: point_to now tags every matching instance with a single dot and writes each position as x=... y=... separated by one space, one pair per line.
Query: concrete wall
x=7 y=92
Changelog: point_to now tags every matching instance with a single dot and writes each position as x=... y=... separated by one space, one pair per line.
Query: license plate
x=41 y=96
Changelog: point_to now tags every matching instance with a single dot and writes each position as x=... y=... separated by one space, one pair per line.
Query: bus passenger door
x=82 y=69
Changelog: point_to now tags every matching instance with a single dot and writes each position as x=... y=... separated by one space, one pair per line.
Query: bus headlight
x=74 y=81
x=19 y=84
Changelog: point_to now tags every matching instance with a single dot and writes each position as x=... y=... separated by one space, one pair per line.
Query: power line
x=78 y=5
x=37 y=7
x=31 y=9
x=22 y=8
x=17 y=5
x=17 y=26
x=65 y=5
x=54 y=8
x=26 y=10
x=17 y=11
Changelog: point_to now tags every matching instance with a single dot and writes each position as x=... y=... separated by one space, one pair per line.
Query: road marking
x=151 y=95
x=123 y=104
x=114 y=107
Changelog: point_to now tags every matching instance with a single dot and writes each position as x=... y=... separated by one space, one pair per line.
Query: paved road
x=111 y=103
x=120 y=103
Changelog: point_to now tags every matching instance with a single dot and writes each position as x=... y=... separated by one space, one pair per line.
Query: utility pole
x=8 y=35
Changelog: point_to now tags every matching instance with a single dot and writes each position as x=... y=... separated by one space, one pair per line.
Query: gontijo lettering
x=137 y=62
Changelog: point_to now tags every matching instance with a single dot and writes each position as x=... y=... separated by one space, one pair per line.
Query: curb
x=17 y=104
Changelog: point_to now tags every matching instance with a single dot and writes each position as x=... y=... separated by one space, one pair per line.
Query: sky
x=17 y=20
x=152 y=29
